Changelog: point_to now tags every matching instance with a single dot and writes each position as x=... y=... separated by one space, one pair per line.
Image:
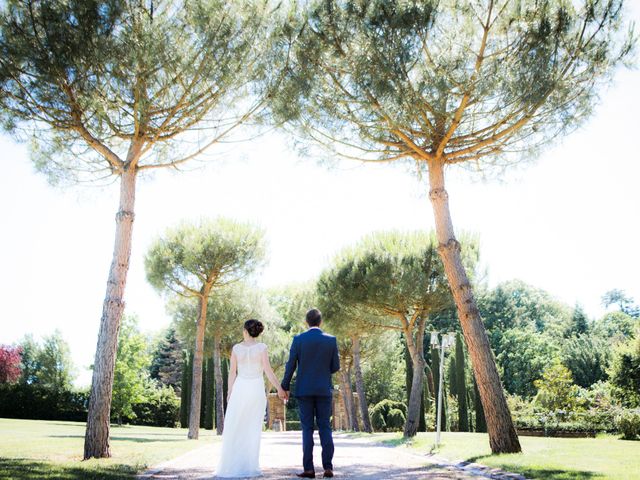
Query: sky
x=567 y=223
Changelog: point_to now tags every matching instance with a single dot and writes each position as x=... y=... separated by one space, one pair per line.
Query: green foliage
x=616 y=326
x=389 y=272
x=628 y=423
x=625 y=373
x=29 y=364
x=288 y=307
x=395 y=420
x=130 y=378
x=587 y=357
x=461 y=386
x=292 y=302
x=377 y=421
x=55 y=368
x=579 y=322
x=556 y=390
x=524 y=354
x=293 y=425
x=452 y=374
x=227 y=310
x=480 y=420
x=160 y=407
x=213 y=251
x=383 y=373
x=185 y=389
x=435 y=368
x=47 y=363
x=167 y=360
x=208 y=395
x=516 y=304
x=38 y=402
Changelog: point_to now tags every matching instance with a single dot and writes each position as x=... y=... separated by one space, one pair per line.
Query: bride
x=246 y=405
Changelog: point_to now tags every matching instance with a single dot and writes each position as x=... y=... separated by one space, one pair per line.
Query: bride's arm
x=266 y=365
x=233 y=370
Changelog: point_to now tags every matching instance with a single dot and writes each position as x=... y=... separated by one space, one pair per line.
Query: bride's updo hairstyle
x=254 y=327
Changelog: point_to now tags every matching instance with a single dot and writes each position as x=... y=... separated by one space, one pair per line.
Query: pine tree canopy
x=101 y=85
x=445 y=80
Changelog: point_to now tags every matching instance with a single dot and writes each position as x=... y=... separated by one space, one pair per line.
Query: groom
x=316 y=355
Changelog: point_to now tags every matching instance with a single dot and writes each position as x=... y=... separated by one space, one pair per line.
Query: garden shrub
x=377 y=421
x=395 y=419
x=37 y=402
x=628 y=423
x=161 y=408
x=380 y=415
x=293 y=425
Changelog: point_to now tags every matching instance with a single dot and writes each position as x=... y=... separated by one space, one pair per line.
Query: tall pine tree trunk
x=217 y=373
x=414 y=408
x=96 y=440
x=347 y=397
x=198 y=358
x=354 y=407
x=502 y=433
x=362 y=400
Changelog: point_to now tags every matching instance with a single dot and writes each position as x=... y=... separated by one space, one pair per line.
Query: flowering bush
x=10 y=359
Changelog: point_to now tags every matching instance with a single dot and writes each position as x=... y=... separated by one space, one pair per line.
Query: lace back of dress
x=249 y=360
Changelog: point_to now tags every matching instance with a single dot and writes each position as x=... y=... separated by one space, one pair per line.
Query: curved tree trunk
x=362 y=400
x=347 y=399
x=217 y=373
x=415 y=348
x=96 y=440
x=198 y=358
x=502 y=433
x=352 y=400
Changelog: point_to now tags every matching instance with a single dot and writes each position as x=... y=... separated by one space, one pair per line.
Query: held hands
x=283 y=394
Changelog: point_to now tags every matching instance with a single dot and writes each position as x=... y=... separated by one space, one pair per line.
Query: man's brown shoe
x=328 y=473
x=306 y=474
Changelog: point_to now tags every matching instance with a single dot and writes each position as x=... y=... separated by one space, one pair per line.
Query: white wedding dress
x=245 y=414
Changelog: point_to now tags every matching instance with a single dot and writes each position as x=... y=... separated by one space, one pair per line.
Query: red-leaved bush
x=10 y=363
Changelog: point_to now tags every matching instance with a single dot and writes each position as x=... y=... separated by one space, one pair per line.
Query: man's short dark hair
x=314 y=317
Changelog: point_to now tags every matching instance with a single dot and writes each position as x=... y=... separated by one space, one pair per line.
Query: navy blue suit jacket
x=315 y=354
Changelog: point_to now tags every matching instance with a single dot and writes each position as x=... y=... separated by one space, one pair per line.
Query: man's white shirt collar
x=311 y=328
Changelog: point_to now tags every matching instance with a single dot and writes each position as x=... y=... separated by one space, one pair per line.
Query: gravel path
x=281 y=457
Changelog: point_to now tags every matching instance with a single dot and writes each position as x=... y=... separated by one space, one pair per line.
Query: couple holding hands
x=315 y=356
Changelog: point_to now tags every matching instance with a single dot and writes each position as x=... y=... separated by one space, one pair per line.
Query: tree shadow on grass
x=26 y=469
x=555 y=474
x=126 y=439
x=540 y=472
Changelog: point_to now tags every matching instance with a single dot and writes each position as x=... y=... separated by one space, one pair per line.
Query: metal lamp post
x=447 y=340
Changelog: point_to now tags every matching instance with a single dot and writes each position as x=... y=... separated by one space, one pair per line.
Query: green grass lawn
x=604 y=457
x=35 y=449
